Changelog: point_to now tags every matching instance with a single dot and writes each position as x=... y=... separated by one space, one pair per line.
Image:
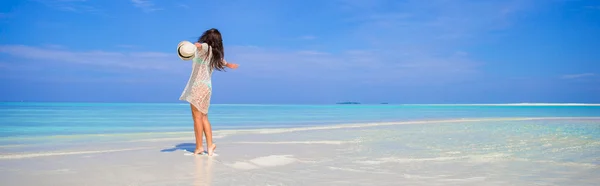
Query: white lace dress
x=199 y=87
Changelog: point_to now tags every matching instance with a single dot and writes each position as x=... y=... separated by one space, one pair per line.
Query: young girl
x=209 y=56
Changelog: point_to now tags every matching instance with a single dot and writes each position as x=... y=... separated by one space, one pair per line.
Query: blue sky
x=310 y=51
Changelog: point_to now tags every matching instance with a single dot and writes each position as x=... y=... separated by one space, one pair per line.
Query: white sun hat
x=186 y=50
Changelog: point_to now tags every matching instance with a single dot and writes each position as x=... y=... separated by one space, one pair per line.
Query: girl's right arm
x=198 y=45
x=202 y=48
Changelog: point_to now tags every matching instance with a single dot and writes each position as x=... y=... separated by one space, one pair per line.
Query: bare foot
x=199 y=150
x=211 y=150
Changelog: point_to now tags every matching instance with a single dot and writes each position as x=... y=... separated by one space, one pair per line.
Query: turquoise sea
x=149 y=144
x=49 y=119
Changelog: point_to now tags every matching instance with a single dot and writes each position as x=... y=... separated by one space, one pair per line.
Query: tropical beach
x=300 y=92
x=427 y=145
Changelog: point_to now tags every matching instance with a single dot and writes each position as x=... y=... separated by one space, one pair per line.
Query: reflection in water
x=203 y=170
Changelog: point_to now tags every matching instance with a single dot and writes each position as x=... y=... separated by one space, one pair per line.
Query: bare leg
x=208 y=134
x=198 y=129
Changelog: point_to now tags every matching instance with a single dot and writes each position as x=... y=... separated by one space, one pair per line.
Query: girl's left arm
x=230 y=65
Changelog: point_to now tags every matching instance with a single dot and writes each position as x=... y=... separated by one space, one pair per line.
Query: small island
x=348 y=103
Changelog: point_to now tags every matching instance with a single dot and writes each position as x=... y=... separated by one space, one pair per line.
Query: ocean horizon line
x=319 y=104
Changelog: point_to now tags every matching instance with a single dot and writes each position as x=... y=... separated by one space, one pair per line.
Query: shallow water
x=147 y=144
x=448 y=152
x=48 y=119
x=545 y=152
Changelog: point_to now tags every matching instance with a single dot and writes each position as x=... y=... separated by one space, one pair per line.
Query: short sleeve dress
x=199 y=87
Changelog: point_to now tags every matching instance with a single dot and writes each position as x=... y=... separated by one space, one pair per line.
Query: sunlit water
x=318 y=151
x=540 y=152
x=43 y=119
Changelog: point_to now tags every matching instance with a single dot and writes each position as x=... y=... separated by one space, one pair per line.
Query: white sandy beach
x=510 y=151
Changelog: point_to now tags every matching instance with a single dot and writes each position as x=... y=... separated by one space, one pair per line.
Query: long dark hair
x=213 y=38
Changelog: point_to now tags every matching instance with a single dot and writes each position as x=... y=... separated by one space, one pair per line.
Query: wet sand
x=508 y=151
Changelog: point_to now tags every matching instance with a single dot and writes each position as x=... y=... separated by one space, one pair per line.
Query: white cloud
x=311 y=52
x=53 y=46
x=461 y=53
x=390 y=41
x=78 y=6
x=308 y=37
x=126 y=60
x=436 y=23
x=183 y=6
x=145 y=5
x=578 y=76
x=419 y=41
x=351 y=66
x=126 y=46
x=593 y=7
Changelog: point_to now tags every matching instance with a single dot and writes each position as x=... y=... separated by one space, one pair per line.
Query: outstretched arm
x=227 y=64
x=230 y=65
